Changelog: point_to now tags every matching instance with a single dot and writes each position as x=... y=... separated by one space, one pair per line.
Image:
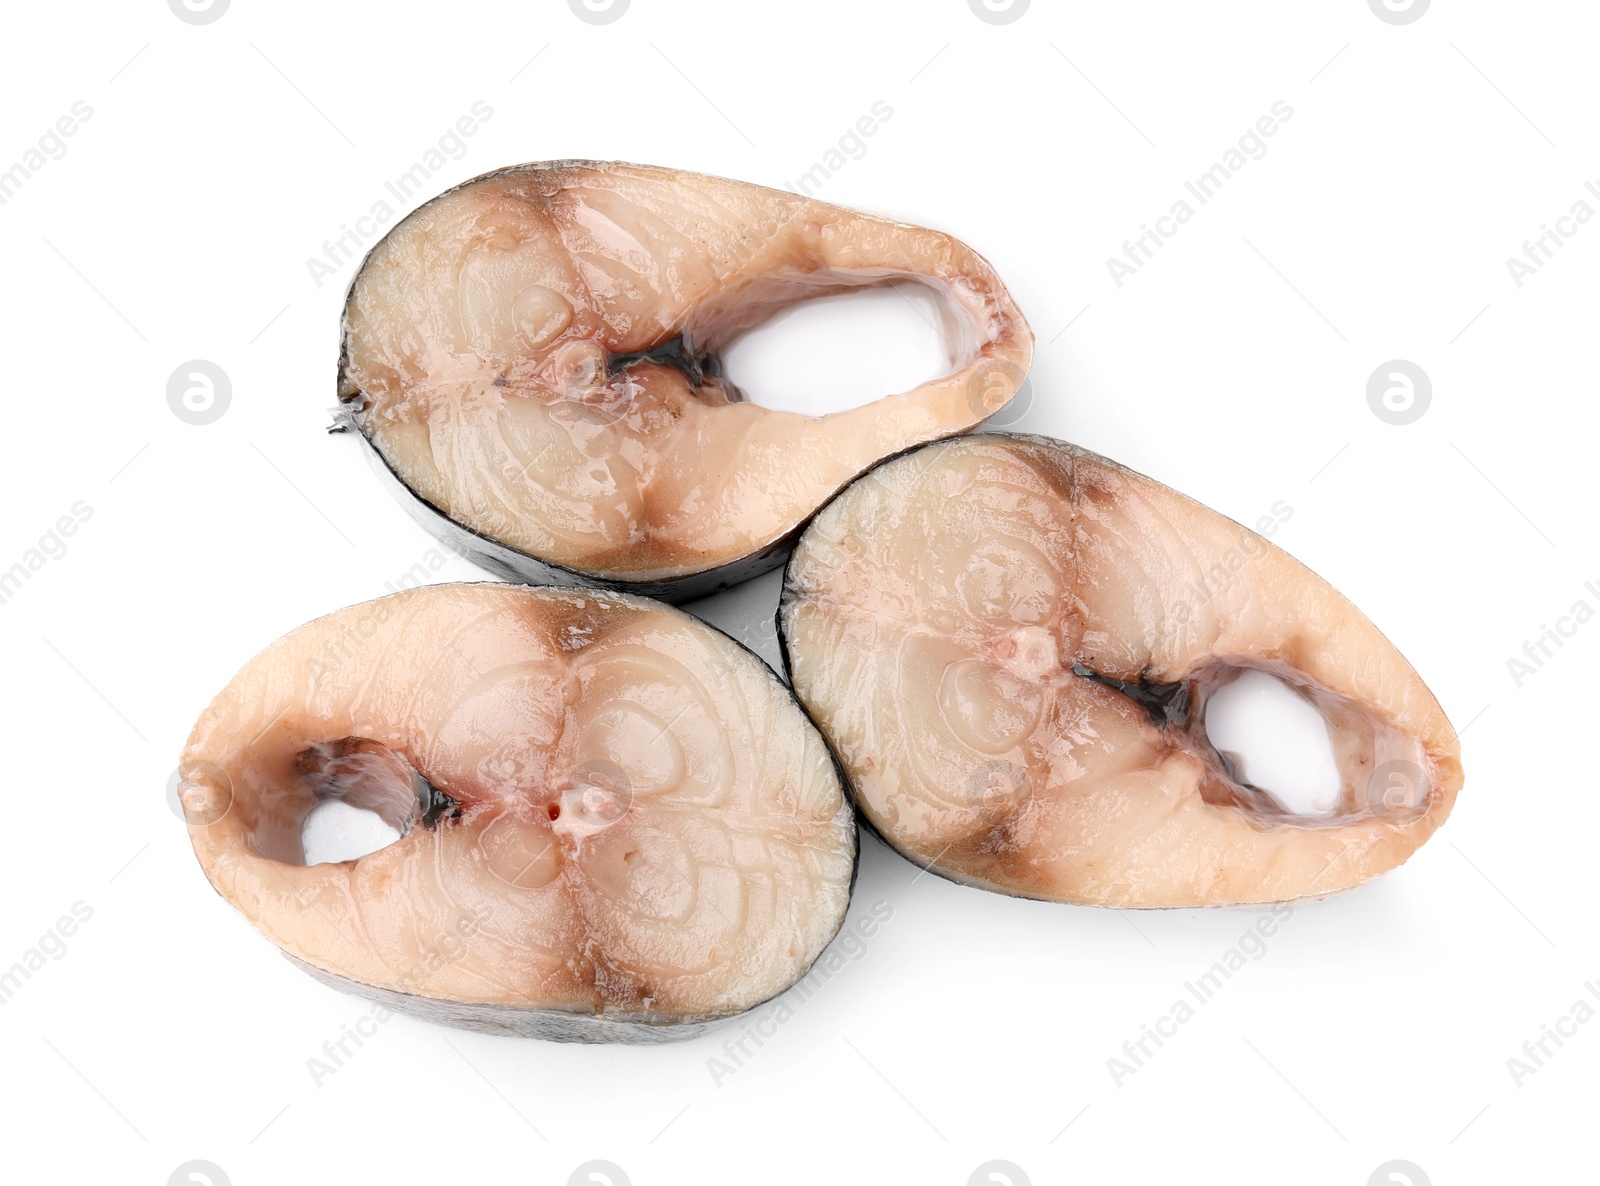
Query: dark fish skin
x=514 y=564
x=546 y=1025
x=551 y=1025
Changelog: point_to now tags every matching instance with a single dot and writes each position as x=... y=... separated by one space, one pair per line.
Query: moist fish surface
x=1010 y=644
x=617 y=824
x=535 y=359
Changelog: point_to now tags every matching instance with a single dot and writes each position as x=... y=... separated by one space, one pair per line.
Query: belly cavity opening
x=335 y=831
x=1276 y=741
x=1280 y=747
x=838 y=352
x=350 y=798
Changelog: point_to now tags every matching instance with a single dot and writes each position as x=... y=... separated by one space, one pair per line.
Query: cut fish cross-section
x=1010 y=644
x=617 y=824
x=535 y=360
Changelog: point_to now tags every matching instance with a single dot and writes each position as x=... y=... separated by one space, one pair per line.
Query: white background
x=1233 y=366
